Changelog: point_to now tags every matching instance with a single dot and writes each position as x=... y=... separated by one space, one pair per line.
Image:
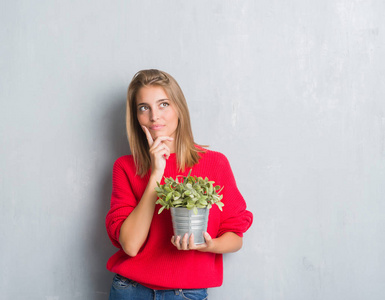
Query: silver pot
x=185 y=221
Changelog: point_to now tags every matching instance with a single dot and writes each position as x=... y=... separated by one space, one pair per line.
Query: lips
x=156 y=127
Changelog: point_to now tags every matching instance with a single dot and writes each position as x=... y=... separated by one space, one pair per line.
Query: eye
x=164 y=104
x=142 y=108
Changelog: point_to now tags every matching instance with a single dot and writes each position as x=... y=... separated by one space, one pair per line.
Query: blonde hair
x=186 y=152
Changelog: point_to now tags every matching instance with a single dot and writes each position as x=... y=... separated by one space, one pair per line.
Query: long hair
x=186 y=152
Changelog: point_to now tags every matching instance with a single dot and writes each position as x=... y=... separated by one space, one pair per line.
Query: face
x=156 y=111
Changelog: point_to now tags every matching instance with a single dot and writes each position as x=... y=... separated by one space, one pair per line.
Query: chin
x=154 y=136
x=160 y=133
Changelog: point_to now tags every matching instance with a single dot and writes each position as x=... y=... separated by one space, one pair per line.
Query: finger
x=208 y=238
x=204 y=245
x=161 y=152
x=200 y=246
x=177 y=242
x=156 y=147
x=184 y=242
x=191 y=243
x=148 y=136
x=161 y=139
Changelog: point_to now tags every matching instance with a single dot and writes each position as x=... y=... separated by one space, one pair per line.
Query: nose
x=154 y=115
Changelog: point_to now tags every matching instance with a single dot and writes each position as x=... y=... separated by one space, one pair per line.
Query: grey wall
x=291 y=91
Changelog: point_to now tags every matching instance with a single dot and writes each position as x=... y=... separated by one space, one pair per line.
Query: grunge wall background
x=291 y=91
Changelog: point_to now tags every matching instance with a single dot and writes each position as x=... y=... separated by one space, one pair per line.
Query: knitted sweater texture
x=159 y=265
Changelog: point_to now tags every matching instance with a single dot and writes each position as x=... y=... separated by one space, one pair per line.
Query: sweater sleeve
x=123 y=202
x=234 y=217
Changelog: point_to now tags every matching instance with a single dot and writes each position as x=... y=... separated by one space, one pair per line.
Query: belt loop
x=177 y=292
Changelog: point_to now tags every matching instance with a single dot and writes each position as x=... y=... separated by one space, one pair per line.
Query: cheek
x=172 y=116
x=141 y=119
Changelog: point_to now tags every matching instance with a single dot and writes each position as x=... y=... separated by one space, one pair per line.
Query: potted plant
x=190 y=200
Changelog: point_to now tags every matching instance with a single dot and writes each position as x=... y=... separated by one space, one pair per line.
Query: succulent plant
x=191 y=192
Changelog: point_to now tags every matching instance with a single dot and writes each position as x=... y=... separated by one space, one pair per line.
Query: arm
x=135 y=228
x=226 y=243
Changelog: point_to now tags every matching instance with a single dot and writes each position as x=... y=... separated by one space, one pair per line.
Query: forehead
x=150 y=94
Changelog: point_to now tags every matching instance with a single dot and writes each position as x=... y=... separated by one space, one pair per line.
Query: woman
x=148 y=264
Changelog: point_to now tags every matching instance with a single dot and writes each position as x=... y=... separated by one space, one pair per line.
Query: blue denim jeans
x=126 y=289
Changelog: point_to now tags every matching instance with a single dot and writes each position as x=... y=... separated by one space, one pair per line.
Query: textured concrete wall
x=291 y=91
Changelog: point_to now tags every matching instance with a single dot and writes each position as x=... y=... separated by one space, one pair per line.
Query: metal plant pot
x=185 y=221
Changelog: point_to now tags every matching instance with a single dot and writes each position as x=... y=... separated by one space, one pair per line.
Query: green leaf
x=220 y=205
x=202 y=202
x=190 y=206
x=210 y=191
x=161 y=209
x=168 y=196
x=161 y=202
x=187 y=177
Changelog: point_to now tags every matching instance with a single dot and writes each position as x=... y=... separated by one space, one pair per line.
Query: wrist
x=211 y=246
x=156 y=175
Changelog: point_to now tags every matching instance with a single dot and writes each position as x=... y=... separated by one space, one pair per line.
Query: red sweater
x=159 y=265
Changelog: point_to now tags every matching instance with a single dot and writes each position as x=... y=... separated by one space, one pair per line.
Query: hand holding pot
x=181 y=244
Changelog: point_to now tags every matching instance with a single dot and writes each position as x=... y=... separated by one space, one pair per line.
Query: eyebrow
x=157 y=101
